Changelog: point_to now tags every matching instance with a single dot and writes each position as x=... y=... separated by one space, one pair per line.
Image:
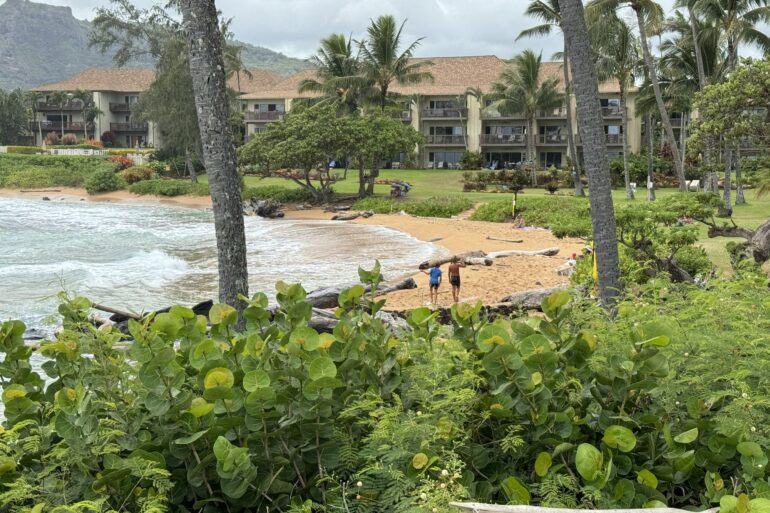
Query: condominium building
x=452 y=120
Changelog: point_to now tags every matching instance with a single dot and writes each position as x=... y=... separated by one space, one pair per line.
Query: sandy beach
x=488 y=284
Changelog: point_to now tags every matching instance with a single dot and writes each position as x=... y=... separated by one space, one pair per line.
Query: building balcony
x=444 y=113
x=553 y=139
x=58 y=126
x=271 y=115
x=613 y=139
x=676 y=122
x=68 y=106
x=120 y=107
x=449 y=140
x=405 y=115
x=612 y=112
x=553 y=114
x=129 y=127
x=493 y=114
x=503 y=139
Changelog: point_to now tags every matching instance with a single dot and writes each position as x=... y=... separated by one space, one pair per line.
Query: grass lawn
x=428 y=183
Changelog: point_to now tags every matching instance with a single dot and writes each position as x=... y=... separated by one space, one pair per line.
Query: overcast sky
x=450 y=27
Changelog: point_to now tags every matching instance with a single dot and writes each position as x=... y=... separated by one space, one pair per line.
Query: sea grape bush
x=193 y=414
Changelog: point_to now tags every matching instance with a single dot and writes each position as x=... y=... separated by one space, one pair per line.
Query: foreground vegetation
x=568 y=410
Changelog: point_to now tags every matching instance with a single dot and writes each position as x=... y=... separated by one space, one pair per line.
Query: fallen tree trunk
x=516 y=241
x=464 y=257
x=328 y=297
x=121 y=315
x=757 y=245
x=531 y=299
x=515 y=252
x=349 y=216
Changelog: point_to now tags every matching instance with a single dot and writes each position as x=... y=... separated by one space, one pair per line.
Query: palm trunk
x=683 y=140
x=208 y=76
x=650 y=159
x=570 y=132
x=698 y=52
x=740 y=199
x=531 y=148
x=590 y=125
x=85 y=125
x=650 y=65
x=61 y=117
x=624 y=135
x=188 y=162
x=728 y=177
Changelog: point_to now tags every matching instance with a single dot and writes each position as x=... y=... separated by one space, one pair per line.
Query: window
x=503 y=158
x=131 y=99
x=504 y=130
x=550 y=158
x=445 y=157
x=442 y=104
x=610 y=102
x=550 y=130
x=445 y=130
x=613 y=129
x=268 y=107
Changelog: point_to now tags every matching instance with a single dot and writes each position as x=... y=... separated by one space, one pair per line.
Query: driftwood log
x=516 y=252
x=325 y=321
x=476 y=507
x=464 y=257
x=514 y=241
x=349 y=216
x=328 y=297
x=531 y=299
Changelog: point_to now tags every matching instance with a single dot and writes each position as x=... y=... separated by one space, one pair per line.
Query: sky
x=449 y=27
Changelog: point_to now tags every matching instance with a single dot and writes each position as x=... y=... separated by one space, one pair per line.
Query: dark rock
x=268 y=208
x=46 y=198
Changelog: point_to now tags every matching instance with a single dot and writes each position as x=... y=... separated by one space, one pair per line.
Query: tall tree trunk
x=207 y=69
x=683 y=140
x=624 y=136
x=570 y=132
x=698 y=51
x=61 y=116
x=728 y=177
x=85 y=124
x=372 y=177
x=361 y=181
x=531 y=148
x=590 y=125
x=650 y=158
x=740 y=199
x=188 y=162
x=653 y=74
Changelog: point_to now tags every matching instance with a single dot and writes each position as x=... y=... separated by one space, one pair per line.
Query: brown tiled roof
x=121 y=80
x=452 y=76
x=260 y=80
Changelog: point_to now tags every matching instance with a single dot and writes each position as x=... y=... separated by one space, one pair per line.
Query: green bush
x=37 y=171
x=278 y=193
x=25 y=150
x=472 y=160
x=136 y=174
x=564 y=216
x=568 y=409
x=104 y=181
x=122 y=152
x=694 y=260
x=444 y=206
x=159 y=187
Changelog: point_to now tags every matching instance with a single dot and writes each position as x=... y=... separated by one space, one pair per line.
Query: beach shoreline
x=489 y=284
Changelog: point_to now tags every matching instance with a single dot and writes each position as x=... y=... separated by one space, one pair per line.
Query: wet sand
x=77 y=194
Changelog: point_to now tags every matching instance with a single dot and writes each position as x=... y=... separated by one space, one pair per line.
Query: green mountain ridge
x=41 y=44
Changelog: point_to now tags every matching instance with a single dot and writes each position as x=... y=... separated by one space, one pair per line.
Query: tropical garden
x=615 y=394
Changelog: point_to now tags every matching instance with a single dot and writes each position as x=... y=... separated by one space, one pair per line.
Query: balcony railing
x=128 y=127
x=611 y=112
x=555 y=113
x=509 y=139
x=120 y=107
x=68 y=106
x=493 y=114
x=558 y=139
x=78 y=126
x=405 y=115
x=676 y=122
x=271 y=115
x=445 y=113
x=614 y=139
x=446 y=139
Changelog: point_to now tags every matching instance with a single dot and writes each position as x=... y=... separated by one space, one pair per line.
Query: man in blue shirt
x=435 y=281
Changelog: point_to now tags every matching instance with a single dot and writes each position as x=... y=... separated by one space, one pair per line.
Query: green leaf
x=759 y=505
x=654 y=504
x=256 y=379
x=218 y=377
x=186 y=440
x=515 y=491
x=728 y=504
x=687 y=437
x=420 y=460
x=543 y=463
x=306 y=337
x=620 y=438
x=588 y=461
x=552 y=303
x=168 y=324
x=322 y=367
x=647 y=478
x=223 y=314
x=659 y=341
x=750 y=449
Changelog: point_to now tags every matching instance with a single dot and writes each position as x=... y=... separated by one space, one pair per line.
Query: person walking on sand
x=454 y=277
x=435 y=282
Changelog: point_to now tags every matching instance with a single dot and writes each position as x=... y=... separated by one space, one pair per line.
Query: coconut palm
x=337 y=77
x=695 y=33
x=648 y=13
x=60 y=98
x=549 y=13
x=737 y=21
x=382 y=61
x=234 y=65
x=85 y=98
x=520 y=90
x=590 y=124
x=617 y=56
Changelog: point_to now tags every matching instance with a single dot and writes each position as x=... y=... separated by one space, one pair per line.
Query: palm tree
x=618 y=57
x=382 y=62
x=590 y=124
x=648 y=12
x=234 y=64
x=520 y=90
x=337 y=76
x=549 y=13
x=59 y=98
x=695 y=33
x=85 y=98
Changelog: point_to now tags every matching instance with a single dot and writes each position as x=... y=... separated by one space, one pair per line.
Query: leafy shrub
x=24 y=150
x=122 y=152
x=33 y=171
x=104 y=181
x=694 y=260
x=564 y=216
x=161 y=187
x=109 y=139
x=52 y=139
x=278 y=193
x=136 y=174
x=444 y=206
x=552 y=187
x=69 y=139
x=472 y=160
x=122 y=162
x=568 y=409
